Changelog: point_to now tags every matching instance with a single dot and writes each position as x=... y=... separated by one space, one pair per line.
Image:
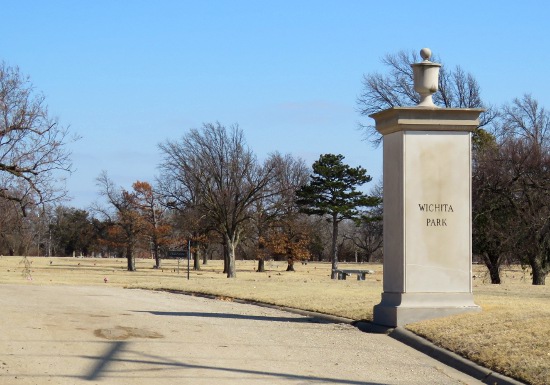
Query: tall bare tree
x=511 y=190
x=33 y=153
x=457 y=89
x=180 y=192
x=493 y=222
x=525 y=158
x=213 y=169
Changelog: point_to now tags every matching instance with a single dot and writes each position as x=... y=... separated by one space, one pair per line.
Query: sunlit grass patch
x=510 y=336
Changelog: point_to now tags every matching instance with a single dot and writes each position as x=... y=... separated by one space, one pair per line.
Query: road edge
x=400 y=334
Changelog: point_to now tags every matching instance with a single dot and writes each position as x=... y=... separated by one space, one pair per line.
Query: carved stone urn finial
x=426 y=78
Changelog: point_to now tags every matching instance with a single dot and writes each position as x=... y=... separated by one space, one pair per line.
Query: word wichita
x=436 y=208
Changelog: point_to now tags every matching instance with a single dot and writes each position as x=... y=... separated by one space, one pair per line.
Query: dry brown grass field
x=510 y=335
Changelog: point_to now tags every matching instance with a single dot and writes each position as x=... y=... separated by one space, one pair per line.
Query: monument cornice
x=426 y=119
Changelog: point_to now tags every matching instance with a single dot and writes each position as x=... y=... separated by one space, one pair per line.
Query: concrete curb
x=451 y=359
x=400 y=334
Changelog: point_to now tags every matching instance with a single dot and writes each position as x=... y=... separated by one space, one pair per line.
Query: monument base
x=398 y=309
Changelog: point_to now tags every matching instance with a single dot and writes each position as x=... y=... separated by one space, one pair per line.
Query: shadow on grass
x=235 y=316
x=119 y=352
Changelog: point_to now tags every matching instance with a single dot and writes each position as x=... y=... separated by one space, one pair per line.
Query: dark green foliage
x=332 y=189
x=332 y=192
x=72 y=231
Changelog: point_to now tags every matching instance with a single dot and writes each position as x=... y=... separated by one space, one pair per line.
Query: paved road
x=101 y=335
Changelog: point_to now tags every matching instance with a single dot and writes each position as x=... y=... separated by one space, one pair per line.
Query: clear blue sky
x=127 y=75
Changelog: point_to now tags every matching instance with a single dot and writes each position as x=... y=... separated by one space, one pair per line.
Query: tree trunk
x=538 y=271
x=131 y=260
x=290 y=266
x=225 y=256
x=204 y=257
x=494 y=273
x=196 y=260
x=334 y=248
x=493 y=261
x=261 y=265
x=493 y=265
x=157 y=256
x=231 y=270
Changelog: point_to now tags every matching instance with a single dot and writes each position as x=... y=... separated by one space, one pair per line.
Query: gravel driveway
x=103 y=335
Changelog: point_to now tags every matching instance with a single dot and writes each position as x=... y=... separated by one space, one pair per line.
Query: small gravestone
x=427 y=206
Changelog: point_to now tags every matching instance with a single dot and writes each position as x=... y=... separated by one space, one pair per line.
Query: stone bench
x=361 y=274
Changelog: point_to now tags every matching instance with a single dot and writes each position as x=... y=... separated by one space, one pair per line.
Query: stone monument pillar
x=427 y=206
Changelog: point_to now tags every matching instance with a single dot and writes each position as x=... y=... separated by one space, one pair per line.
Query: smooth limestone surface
x=427 y=213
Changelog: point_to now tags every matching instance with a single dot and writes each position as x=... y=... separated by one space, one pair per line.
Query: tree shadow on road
x=120 y=352
x=298 y=319
x=105 y=360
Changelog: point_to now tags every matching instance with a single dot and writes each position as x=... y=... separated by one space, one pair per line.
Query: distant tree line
x=246 y=213
x=215 y=198
x=212 y=197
